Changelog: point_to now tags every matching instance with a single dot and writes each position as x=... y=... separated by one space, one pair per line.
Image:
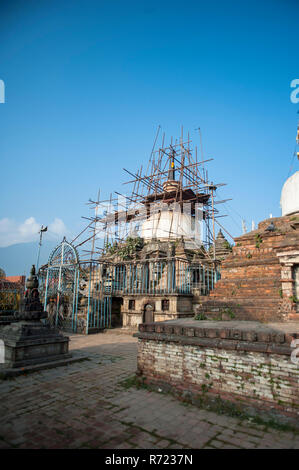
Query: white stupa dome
x=289 y=200
x=170 y=224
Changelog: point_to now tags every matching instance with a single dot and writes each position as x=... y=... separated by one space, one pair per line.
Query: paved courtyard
x=83 y=405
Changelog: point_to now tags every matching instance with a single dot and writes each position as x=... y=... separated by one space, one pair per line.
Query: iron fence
x=78 y=295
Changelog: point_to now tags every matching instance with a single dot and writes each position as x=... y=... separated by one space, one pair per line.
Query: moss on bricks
x=214 y=404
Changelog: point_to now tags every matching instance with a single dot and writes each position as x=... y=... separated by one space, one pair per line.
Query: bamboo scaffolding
x=147 y=192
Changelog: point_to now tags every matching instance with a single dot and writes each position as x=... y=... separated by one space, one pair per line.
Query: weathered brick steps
x=240 y=308
x=245 y=293
x=246 y=302
x=231 y=282
x=253 y=271
x=249 y=283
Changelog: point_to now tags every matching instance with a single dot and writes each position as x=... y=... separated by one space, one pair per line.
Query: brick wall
x=248 y=365
x=251 y=284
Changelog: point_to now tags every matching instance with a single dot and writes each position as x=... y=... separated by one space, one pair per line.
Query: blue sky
x=88 y=82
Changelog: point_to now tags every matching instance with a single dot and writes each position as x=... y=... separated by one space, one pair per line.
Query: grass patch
x=200 y=316
x=132 y=381
x=258 y=240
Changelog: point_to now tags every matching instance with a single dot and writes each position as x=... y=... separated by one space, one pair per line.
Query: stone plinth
x=28 y=343
x=247 y=364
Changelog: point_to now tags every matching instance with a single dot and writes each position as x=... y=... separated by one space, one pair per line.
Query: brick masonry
x=257 y=278
x=246 y=363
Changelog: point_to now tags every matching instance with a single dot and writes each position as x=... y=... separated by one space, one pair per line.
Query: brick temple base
x=258 y=279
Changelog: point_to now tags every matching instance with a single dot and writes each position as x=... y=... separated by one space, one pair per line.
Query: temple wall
x=249 y=367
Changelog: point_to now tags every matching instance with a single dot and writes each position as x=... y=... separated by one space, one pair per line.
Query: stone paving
x=83 y=405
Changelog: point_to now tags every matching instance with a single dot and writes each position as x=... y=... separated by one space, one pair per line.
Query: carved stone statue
x=27 y=340
x=31 y=308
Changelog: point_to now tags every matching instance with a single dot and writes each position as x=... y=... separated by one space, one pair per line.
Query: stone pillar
x=287 y=281
x=287 y=288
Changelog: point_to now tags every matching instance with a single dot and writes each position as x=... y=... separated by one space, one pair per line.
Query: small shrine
x=29 y=340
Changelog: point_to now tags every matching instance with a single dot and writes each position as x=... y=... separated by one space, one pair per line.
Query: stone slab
x=239 y=335
x=13 y=372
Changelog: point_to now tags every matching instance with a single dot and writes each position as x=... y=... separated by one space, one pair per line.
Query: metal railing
x=79 y=297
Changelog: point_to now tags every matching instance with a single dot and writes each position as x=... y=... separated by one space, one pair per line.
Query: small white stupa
x=168 y=222
x=289 y=200
x=170 y=225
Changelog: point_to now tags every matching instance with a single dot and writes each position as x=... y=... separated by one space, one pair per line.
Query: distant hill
x=17 y=259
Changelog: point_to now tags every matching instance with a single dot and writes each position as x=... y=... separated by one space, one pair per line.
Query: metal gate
x=72 y=291
x=97 y=296
x=61 y=283
x=78 y=294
